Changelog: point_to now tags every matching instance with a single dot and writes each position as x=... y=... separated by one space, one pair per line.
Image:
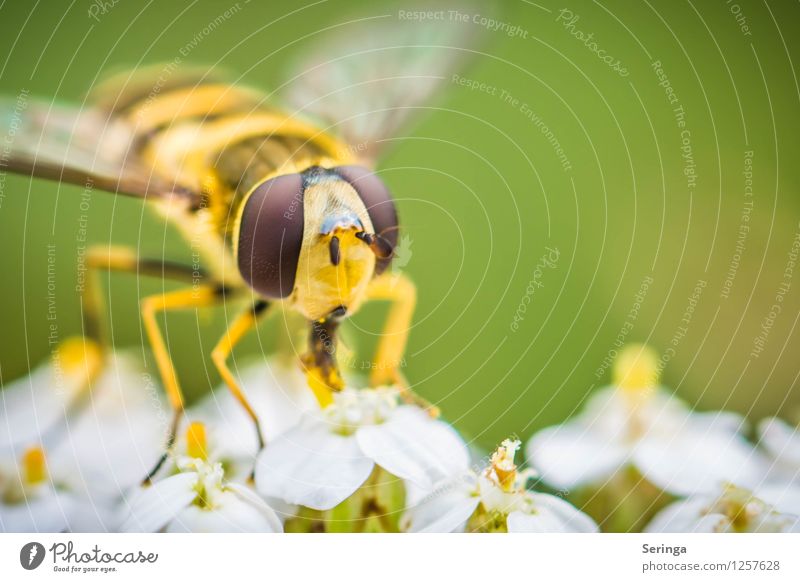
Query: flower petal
x=781 y=441
x=785 y=497
x=90 y=516
x=697 y=462
x=718 y=421
x=309 y=465
x=117 y=437
x=33 y=404
x=711 y=523
x=279 y=396
x=686 y=516
x=551 y=515
x=47 y=513
x=574 y=454
x=232 y=513
x=791 y=526
x=155 y=506
x=413 y=446
x=445 y=510
x=249 y=496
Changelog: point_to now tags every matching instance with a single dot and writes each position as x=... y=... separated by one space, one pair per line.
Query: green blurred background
x=483 y=193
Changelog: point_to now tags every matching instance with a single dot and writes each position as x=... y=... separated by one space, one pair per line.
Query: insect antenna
x=382 y=248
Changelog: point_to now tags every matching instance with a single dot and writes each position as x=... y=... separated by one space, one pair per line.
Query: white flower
x=96 y=434
x=733 y=510
x=329 y=455
x=781 y=486
x=116 y=438
x=198 y=499
x=495 y=500
x=34 y=404
x=636 y=422
x=278 y=394
x=31 y=500
x=781 y=443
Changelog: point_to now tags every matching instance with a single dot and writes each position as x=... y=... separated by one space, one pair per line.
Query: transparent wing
x=366 y=80
x=88 y=147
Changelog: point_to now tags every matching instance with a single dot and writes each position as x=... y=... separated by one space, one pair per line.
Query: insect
x=285 y=210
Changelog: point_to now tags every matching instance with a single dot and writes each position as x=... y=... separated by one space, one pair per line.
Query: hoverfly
x=287 y=210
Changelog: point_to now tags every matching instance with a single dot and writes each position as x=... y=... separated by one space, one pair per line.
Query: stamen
x=196 y=444
x=80 y=356
x=636 y=368
x=503 y=463
x=739 y=506
x=352 y=408
x=34 y=466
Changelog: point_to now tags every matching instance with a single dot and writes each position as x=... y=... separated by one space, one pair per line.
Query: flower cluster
x=496 y=500
x=638 y=449
x=79 y=433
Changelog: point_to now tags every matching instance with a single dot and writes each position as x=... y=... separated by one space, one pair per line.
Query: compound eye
x=380 y=206
x=270 y=236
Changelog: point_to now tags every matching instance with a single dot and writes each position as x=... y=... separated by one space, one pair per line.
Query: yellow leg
x=204 y=296
x=398 y=289
x=246 y=321
x=126 y=260
x=182 y=299
x=122 y=259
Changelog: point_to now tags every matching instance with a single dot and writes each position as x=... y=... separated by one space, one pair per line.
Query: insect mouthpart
x=339 y=312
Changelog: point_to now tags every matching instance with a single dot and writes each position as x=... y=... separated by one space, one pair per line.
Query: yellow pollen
x=80 y=356
x=636 y=368
x=34 y=466
x=319 y=387
x=739 y=506
x=196 y=443
x=503 y=464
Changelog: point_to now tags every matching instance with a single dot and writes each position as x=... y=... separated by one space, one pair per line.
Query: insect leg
x=126 y=260
x=243 y=323
x=203 y=296
x=401 y=292
x=122 y=259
